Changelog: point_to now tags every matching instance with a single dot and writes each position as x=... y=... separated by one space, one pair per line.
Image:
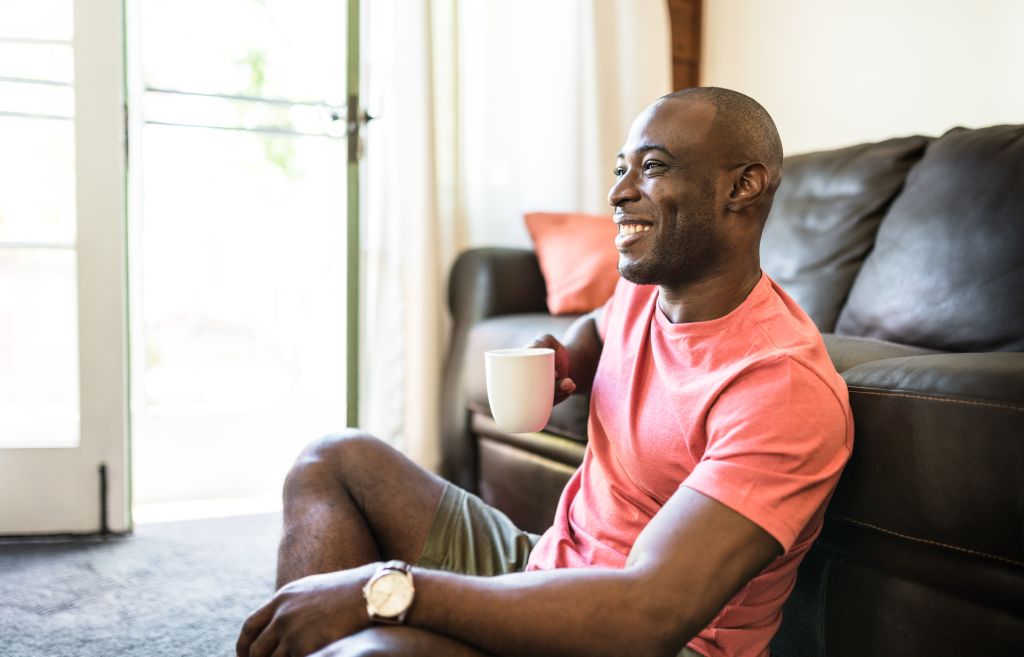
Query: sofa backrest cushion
x=578 y=258
x=825 y=216
x=947 y=271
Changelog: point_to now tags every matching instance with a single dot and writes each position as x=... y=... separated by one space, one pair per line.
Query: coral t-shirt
x=746 y=409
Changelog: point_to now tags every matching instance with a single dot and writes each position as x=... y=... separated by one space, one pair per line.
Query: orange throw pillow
x=577 y=257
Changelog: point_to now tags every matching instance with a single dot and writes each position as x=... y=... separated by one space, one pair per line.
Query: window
x=39 y=405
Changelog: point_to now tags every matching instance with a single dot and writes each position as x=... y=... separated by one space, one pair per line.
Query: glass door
x=239 y=268
x=63 y=365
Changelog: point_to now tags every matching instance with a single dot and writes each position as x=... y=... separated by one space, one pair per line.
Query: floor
x=175 y=589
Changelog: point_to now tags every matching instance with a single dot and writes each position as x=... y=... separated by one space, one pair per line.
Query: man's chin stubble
x=636 y=274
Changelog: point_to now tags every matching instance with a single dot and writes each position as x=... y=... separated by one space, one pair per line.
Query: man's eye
x=652 y=164
x=618 y=171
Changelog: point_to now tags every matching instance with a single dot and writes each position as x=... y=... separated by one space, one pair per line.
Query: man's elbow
x=662 y=626
x=666 y=638
x=655 y=642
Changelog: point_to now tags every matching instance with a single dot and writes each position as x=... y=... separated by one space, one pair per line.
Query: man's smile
x=630 y=234
x=631 y=231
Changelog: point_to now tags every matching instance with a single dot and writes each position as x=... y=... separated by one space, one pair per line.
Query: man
x=718 y=429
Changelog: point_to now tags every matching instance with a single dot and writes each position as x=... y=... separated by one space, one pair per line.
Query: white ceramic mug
x=520 y=387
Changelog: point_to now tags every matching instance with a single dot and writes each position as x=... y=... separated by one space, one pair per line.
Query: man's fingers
x=252 y=627
x=563 y=388
x=561 y=361
x=544 y=342
x=561 y=353
x=265 y=645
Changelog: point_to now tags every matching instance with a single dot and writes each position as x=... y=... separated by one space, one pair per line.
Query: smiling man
x=718 y=429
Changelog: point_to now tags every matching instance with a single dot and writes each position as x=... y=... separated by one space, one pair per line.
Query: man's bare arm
x=687 y=563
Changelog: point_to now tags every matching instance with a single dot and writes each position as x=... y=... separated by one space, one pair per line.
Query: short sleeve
x=778 y=438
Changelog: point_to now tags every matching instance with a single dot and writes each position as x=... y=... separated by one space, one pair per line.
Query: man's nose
x=623 y=190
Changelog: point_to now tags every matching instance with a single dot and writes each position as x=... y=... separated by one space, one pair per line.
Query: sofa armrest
x=933 y=490
x=484 y=283
x=495 y=281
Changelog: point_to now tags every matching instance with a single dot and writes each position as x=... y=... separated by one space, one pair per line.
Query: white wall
x=839 y=72
x=547 y=92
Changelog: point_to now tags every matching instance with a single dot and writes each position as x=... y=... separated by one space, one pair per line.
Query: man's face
x=665 y=196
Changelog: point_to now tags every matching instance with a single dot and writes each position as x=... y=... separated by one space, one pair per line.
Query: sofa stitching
x=884 y=393
x=929 y=541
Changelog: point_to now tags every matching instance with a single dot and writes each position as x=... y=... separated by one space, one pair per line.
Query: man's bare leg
x=401 y=642
x=351 y=499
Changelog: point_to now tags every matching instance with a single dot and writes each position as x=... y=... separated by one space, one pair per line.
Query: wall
x=547 y=92
x=844 y=71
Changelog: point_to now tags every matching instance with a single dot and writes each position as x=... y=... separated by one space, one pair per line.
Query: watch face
x=390 y=595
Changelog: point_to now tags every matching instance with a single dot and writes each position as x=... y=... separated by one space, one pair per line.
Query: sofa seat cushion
x=993 y=378
x=848 y=351
x=825 y=216
x=568 y=419
x=947 y=271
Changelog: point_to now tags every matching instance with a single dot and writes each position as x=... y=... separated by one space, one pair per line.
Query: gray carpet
x=170 y=589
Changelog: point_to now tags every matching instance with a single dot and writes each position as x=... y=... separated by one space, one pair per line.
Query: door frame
x=86 y=489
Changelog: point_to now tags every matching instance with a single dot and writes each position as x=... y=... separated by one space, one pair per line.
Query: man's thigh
x=472 y=538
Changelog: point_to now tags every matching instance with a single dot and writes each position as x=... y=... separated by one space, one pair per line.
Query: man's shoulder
x=789 y=333
x=781 y=354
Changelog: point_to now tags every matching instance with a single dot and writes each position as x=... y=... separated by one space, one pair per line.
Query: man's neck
x=710 y=298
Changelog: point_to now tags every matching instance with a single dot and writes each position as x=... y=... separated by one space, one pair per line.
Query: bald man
x=717 y=432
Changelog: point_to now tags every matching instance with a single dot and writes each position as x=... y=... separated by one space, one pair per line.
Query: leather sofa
x=909 y=256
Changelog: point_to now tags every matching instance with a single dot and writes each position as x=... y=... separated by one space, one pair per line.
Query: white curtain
x=408 y=243
x=487 y=109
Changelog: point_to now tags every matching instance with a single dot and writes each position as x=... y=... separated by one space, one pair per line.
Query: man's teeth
x=631 y=229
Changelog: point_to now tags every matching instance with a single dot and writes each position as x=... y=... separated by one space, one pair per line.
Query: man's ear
x=749 y=184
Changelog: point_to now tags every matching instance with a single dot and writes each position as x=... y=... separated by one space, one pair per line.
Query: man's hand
x=307 y=614
x=577 y=354
x=564 y=386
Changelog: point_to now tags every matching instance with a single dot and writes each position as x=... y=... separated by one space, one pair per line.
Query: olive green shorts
x=472 y=538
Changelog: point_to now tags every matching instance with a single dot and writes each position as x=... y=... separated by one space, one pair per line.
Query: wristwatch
x=389 y=593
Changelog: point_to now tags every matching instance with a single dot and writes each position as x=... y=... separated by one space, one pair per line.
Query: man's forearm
x=559 y=613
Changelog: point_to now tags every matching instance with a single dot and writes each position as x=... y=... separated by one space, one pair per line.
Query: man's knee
x=336 y=459
x=342 y=448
